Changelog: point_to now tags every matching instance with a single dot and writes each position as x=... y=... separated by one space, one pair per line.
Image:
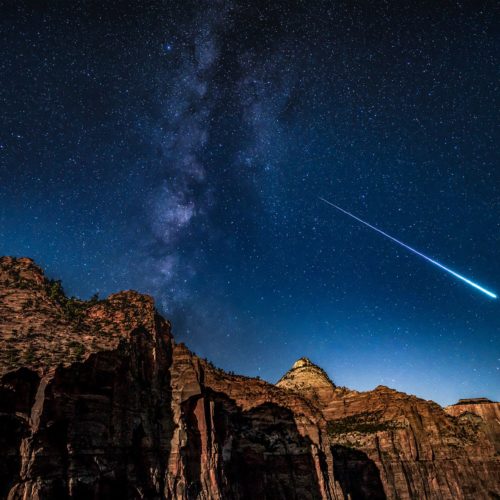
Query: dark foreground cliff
x=98 y=401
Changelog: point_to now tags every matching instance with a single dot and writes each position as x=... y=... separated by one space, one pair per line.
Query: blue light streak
x=432 y=261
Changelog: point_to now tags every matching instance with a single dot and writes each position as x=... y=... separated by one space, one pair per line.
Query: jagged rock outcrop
x=40 y=327
x=309 y=380
x=98 y=401
x=481 y=412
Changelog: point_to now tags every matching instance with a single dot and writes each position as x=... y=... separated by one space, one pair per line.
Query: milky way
x=177 y=148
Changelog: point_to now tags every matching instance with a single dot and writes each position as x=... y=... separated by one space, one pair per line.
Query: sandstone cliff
x=483 y=413
x=98 y=401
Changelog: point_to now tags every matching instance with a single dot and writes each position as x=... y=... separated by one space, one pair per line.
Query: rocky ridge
x=132 y=414
x=40 y=327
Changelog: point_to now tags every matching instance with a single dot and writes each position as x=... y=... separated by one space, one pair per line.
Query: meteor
x=432 y=261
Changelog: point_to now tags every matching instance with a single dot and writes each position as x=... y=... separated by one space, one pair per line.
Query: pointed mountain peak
x=303 y=362
x=308 y=379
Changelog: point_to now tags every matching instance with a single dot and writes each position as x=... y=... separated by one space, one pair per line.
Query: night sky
x=179 y=148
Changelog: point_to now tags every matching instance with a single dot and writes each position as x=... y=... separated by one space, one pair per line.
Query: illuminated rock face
x=134 y=415
x=483 y=412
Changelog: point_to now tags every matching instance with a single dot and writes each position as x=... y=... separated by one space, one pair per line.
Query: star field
x=179 y=148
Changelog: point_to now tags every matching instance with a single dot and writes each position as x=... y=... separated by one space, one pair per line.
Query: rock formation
x=483 y=413
x=98 y=401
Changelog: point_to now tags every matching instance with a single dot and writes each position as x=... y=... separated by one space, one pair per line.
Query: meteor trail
x=432 y=261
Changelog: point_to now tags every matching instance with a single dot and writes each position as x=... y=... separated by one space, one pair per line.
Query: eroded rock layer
x=98 y=401
x=481 y=412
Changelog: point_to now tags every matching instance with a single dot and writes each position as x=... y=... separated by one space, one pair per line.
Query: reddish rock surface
x=481 y=412
x=97 y=401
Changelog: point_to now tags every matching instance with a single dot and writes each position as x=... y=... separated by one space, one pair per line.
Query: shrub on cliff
x=72 y=307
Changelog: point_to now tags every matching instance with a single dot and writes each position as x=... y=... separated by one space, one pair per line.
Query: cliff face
x=481 y=412
x=97 y=401
x=40 y=327
x=92 y=423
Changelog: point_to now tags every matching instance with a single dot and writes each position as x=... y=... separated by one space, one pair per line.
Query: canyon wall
x=97 y=400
